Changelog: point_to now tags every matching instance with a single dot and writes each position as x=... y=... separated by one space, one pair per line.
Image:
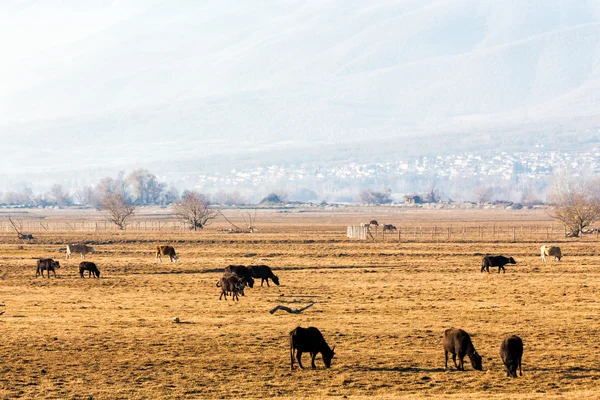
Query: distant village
x=458 y=175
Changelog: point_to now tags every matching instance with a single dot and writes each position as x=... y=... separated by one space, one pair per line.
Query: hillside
x=151 y=81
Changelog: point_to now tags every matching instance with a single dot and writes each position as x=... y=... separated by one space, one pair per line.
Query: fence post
x=514 y=234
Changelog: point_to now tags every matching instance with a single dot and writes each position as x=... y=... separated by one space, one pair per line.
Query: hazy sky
x=238 y=76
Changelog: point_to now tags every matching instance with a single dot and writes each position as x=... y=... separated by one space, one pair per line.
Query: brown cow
x=511 y=351
x=46 y=264
x=165 y=251
x=230 y=283
x=458 y=342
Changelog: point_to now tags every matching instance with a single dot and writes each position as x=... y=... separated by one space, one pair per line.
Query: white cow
x=547 y=251
x=79 y=248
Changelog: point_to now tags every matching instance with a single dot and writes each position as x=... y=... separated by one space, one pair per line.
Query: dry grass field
x=384 y=305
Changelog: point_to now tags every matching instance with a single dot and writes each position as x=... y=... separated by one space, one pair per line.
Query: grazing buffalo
x=230 y=283
x=496 y=261
x=374 y=222
x=458 y=342
x=165 y=251
x=309 y=340
x=46 y=264
x=264 y=273
x=511 y=351
x=90 y=267
x=79 y=248
x=550 y=251
x=389 y=228
x=242 y=271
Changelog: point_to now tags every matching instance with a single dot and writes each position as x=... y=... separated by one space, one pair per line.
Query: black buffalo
x=389 y=228
x=511 y=351
x=90 y=267
x=309 y=340
x=242 y=271
x=458 y=342
x=496 y=261
x=264 y=273
x=46 y=264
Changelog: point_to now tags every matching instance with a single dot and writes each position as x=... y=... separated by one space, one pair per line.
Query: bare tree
x=59 y=196
x=483 y=194
x=432 y=195
x=376 y=198
x=119 y=209
x=146 y=186
x=195 y=209
x=575 y=203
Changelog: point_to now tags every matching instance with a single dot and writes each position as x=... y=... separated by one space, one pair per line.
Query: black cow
x=242 y=271
x=309 y=340
x=389 y=228
x=46 y=264
x=230 y=283
x=90 y=267
x=458 y=342
x=264 y=273
x=496 y=261
x=511 y=351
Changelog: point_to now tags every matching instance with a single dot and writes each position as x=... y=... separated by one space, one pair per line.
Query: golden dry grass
x=384 y=305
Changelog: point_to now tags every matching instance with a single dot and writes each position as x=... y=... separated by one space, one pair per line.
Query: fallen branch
x=290 y=310
x=232 y=224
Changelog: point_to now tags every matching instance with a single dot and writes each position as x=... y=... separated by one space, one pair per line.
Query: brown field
x=383 y=304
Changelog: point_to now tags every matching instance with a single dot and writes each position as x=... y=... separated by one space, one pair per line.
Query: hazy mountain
x=101 y=85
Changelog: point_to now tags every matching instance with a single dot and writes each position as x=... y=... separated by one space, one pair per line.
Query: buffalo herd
x=456 y=342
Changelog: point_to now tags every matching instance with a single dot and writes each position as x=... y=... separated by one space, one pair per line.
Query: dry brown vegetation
x=384 y=305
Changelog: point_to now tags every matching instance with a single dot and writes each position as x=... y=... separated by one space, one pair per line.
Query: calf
x=46 y=264
x=165 y=251
x=309 y=340
x=230 y=283
x=496 y=261
x=90 y=267
x=242 y=271
x=264 y=273
x=511 y=351
x=458 y=342
x=547 y=251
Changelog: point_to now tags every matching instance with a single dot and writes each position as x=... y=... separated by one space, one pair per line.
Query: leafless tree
x=195 y=209
x=432 y=195
x=483 y=194
x=376 y=198
x=575 y=202
x=59 y=196
x=119 y=209
x=146 y=187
